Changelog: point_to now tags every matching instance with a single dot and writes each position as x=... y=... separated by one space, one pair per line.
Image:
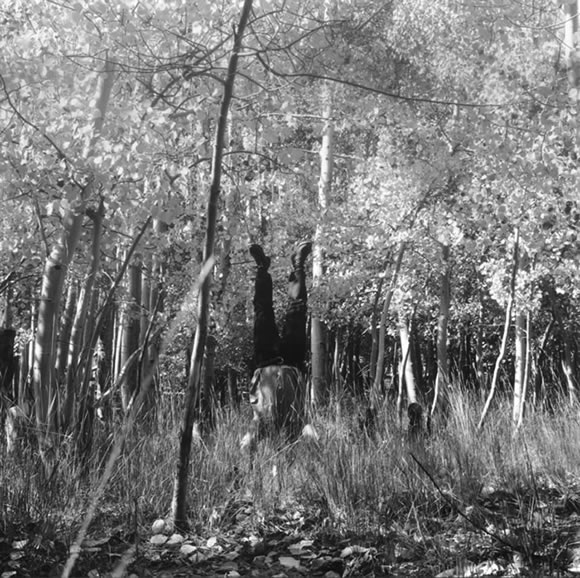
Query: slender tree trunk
x=7 y=371
x=131 y=334
x=318 y=338
x=7 y=361
x=157 y=296
x=408 y=369
x=146 y=310
x=319 y=333
x=442 y=378
x=538 y=362
x=336 y=359
x=233 y=398
x=498 y=362
x=6 y=318
x=405 y=355
x=572 y=46
x=479 y=373
x=378 y=379
x=568 y=369
x=527 y=368
x=64 y=337
x=208 y=397
x=503 y=346
x=375 y=331
x=179 y=502
x=73 y=358
x=520 y=367
x=25 y=393
x=149 y=311
x=103 y=381
x=117 y=346
x=23 y=375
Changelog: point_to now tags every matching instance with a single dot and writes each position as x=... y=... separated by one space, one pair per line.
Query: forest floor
x=463 y=502
x=501 y=535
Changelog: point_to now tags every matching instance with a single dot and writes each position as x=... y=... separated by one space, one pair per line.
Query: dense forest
x=428 y=149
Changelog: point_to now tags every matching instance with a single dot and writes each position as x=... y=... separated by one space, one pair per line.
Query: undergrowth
x=348 y=480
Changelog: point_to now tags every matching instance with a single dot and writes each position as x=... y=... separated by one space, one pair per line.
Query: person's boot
x=262 y=260
x=297 y=287
x=299 y=258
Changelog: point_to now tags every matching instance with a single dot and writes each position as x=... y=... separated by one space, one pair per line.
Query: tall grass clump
x=463 y=457
x=30 y=494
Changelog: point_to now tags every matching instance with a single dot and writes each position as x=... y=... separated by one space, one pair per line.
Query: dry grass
x=347 y=480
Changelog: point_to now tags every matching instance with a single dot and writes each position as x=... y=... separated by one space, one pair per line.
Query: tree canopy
x=455 y=125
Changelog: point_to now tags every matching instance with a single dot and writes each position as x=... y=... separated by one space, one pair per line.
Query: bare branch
x=61 y=154
x=374 y=90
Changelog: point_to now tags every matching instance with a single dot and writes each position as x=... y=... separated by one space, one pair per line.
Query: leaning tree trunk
x=179 y=501
x=503 y=346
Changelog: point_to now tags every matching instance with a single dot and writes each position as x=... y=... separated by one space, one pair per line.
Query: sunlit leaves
x=407 y=170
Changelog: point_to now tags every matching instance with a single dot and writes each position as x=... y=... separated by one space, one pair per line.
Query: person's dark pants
x=294 y=341
x=269 y=349
x=266 y=338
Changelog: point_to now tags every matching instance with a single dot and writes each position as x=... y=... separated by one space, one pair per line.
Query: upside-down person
x=277 y=391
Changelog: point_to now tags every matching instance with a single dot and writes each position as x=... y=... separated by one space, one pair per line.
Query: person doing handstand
x=289 y=347
x=277 y=391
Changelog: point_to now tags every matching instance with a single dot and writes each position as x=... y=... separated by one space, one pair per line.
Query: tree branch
x=61 y=154
x=374 y=90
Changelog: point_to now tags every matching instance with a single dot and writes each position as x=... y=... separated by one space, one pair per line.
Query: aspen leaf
x=158 y=539
x=289 y=562
x=159 y=525
x=187 y=549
